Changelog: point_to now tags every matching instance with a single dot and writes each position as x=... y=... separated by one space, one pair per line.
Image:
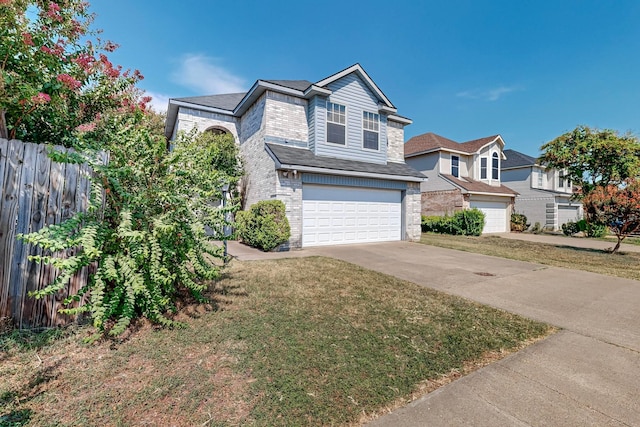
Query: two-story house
x=332 y=151
x=545 y=194
x=461 y=176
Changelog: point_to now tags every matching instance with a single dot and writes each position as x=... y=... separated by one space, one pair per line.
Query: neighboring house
x=461 y=176
x=545 y=195
x=332 y=151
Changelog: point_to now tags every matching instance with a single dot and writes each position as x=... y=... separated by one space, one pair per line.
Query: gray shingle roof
x=292 y=84
x=227 y=101
x=517 y=159
x=303 y=157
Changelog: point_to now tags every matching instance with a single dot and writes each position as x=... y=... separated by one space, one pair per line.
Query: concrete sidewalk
x=576 y=242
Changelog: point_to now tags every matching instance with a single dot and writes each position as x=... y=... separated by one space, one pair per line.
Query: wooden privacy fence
x=36 y=192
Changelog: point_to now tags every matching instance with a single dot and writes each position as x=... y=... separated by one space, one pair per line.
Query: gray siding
x=315 y=112
x=356 y=96
x=512 y=175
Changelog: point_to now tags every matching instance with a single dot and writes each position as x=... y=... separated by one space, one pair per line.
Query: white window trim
x=326 y=127
x=486 y=169
x=540 y=179
x=451 y=165
x=363 y=129
x=495 y=154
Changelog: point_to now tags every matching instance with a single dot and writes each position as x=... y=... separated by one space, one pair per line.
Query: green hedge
x=467 y=222
x=264 y=225
x=590 y=229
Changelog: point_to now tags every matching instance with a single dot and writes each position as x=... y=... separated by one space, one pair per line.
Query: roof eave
x=256 y=91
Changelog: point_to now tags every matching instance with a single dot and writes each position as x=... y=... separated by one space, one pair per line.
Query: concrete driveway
x=587 y=374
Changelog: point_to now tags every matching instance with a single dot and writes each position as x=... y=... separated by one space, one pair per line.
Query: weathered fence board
x=36 y=192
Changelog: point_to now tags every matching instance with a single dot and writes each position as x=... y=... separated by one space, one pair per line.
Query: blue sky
x=527 y=70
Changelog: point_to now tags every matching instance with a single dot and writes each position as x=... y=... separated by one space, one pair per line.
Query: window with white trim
x=370 y=130
x=540 y=179
x=483 y=167
x=336 y=123
x=495 y=166
x=561 y=180
x=455 y=166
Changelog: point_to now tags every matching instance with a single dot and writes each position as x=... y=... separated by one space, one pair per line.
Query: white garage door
x=333 y=215
x=495 y=216
x=566 y=214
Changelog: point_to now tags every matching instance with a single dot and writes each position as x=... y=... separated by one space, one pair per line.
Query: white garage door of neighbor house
x=333 y=215
x=566 y=214
x=495 y=216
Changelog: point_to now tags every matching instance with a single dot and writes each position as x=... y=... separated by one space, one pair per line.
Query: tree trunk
x=4 y=132
x=615 y=249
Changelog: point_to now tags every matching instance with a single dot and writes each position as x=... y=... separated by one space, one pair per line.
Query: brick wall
x=286 y=117
x=189 y=118
x=259 y=167
x=289 y=190
x=442 y=202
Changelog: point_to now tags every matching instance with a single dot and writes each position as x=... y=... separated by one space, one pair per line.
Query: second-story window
x=483 y=168
x=540 y=178
x=495 y=166
x=336 y=123
x=455 y=166
x=370 y=130
x=561 y=180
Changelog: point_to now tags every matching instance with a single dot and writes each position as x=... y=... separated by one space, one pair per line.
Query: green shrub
x=264 y=226
x=592 y=229
x=467 y=222
x=518 y=222
x=570 y=228
x=436 y=224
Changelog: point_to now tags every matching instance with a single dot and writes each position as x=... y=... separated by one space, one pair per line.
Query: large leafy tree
x=604 y=165
x=593 y=157
x=149 y=230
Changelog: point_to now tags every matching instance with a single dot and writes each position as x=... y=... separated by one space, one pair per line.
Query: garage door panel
x=495 y=213
x=338 y=215
x=567 y=214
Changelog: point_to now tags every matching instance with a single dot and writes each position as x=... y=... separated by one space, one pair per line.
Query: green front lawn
x=623 y=264
x=307 y=341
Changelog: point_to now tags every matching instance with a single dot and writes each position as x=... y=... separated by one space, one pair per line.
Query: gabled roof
x=227 y=101
x=515 y=159
x=236 y=104
x=476 y=187
x=304 y=160
x=429 y=142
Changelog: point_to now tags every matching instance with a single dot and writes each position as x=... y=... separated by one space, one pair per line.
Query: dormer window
x=483 y=167
x=336 y=123
x=370 y=130
x=495 y=167
x=455 y=166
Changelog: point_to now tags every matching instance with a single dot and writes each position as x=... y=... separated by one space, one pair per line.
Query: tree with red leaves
x=54 y=72
x=617 y=206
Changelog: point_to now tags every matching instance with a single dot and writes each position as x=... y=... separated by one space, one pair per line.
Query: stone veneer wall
x=413 y=212
x=395 y=138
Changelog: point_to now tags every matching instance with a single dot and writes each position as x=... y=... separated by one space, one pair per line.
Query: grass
x=622 y=264
x=307 y=341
